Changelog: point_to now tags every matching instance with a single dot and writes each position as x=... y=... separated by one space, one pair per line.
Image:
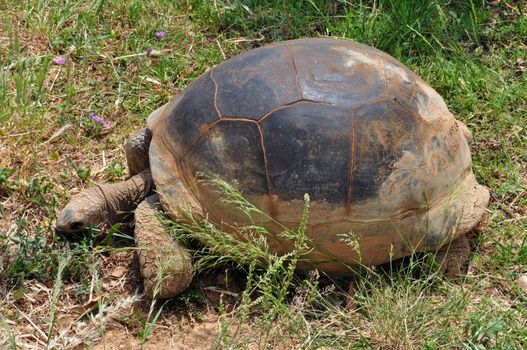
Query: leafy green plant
x=10 y=336
x=115 y=170
x=83 y=173
x=34 y=256
x=481 y=335
x=5 y=174
x=40 y=192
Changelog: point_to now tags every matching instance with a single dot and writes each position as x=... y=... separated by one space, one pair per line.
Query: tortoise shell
x=375 y=147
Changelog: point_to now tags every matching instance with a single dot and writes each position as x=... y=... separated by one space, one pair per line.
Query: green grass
x=471 y=52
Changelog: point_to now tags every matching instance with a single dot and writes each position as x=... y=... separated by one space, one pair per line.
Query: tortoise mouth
x=73 y=235
x=79 y=233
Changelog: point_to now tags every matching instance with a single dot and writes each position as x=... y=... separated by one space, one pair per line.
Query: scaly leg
x=136 y=150
x=165 y=264
x=452 y=256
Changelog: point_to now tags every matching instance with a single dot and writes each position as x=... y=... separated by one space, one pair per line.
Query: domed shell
x=375 y=147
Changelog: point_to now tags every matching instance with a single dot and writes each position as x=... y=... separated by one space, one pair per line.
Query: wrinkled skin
x=165 y=265
x=102 y=206
x=452 y=258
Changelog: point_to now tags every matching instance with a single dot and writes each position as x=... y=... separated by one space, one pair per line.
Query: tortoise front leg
x=136 y=150
x=452 y=256
x=165 y=264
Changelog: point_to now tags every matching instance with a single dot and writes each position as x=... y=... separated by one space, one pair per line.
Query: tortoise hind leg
x=165 y=264
x=452 y=257
x=136 y=149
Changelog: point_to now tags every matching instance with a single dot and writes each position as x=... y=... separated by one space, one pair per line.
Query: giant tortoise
x=372 y=144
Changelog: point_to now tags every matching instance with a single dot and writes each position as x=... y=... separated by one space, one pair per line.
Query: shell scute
x=307 y=147
x=339 y=74
x=383 y=133
x=252 y=84
x=237 y=160
x=191 y=115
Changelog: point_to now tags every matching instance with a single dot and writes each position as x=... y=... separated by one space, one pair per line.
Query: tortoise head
x=102 y=206
x=86 y=211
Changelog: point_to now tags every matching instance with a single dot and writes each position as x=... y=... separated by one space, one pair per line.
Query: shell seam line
x=166 y=144
x=203 y=133
x=297 y=79
x=240 y=119
x=215 y=101
x=264 y=154
x=285 y=105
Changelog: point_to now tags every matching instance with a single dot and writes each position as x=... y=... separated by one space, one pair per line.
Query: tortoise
x=373 y=145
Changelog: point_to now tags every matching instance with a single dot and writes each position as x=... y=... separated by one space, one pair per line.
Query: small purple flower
x=160 y=34
x=59 y=60
x=99 y=120
x=149 y=51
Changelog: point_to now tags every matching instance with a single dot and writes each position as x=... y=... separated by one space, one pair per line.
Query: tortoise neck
x=122 y=198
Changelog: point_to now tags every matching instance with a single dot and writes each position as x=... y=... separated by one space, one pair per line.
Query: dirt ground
x=170 y=336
